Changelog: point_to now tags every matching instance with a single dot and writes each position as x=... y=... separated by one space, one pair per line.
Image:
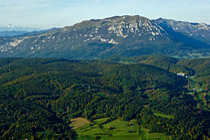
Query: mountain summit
x=101 y=38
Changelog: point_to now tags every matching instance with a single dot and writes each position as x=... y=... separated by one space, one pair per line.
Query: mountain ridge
x=199 y=31
x=102 y=38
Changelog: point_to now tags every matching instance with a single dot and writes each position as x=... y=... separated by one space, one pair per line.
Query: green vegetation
x=199 y=83
x=164 y=115
x=116 y=130
x=39 y=98
x=164 y=62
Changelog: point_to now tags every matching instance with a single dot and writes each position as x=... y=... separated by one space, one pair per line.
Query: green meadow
x=116 y=130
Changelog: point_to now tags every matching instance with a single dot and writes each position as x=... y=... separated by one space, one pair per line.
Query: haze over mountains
x=11 y=27
x=12 y=30
x=119 y=35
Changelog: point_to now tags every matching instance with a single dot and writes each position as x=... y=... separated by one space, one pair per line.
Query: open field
x=78 y=122
x=116 y=130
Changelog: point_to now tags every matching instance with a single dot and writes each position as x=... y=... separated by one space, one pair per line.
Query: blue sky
x=59 y=13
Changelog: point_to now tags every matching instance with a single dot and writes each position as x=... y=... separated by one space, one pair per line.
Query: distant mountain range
x=12 y=30
x=115 y=36
x=18 y=28
x=11 y=33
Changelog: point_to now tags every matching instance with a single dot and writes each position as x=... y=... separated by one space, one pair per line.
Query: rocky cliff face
x=199 y=31
x=100 y=38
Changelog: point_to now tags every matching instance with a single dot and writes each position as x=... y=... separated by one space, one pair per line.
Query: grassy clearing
x=146 y=135
x=116 y=130
x=99 y=121
x=164 y=115
x=78 y=122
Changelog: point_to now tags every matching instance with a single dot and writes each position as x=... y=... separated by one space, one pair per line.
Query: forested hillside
x=38 y=97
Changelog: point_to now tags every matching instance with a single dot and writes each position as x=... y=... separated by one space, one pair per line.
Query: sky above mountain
x=59 y=13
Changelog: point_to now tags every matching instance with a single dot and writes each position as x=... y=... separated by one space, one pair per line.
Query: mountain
x=18 y=28
x=199 y=31
x=11 y=33
x=24 y=33
x=102 y=38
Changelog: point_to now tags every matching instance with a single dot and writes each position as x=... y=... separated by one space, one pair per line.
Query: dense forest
x=38 y=97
